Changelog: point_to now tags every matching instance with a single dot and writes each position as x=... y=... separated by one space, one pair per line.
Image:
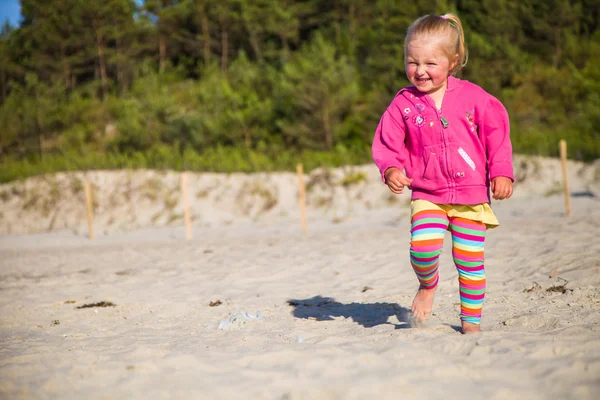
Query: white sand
x=345 y=337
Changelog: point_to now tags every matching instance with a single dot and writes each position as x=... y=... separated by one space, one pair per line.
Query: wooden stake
x=186 y=206
x=563 y=160
x=301 y=196
x=90 y=207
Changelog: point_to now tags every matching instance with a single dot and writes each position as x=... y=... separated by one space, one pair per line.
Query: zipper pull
x=444 y=122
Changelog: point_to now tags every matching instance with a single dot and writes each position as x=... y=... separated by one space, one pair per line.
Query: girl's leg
x=427 y=238
x=468 y=238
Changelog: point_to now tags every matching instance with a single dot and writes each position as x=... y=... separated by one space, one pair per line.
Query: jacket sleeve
x=388 y=147
x=495 y=128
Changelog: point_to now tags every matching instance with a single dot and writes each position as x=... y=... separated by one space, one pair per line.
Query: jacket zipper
x=444 y=125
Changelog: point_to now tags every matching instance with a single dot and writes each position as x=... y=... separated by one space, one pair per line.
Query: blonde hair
x=448 y=30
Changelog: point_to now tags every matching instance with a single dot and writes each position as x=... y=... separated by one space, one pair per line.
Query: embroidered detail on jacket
x=471 y=119
x=471 y=116
x=407 y=110
x=419 y=120
x=420 y=107
x=466 y=157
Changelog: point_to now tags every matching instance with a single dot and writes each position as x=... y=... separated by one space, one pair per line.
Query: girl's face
x=427 y=67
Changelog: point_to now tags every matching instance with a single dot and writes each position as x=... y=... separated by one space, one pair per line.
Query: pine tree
x=316 y=91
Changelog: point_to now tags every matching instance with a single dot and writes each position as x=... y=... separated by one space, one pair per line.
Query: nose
x=420 y=69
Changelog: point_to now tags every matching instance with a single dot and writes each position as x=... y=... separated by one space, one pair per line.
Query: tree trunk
x=118 y=64
x=41 y=144
x=224 y=49
x=255 y=46
x=338 y=21
x=205 y=39
x=102 y=64
x=162 y=50
x=247 y=133
x=352 y=30
x=38 y=130
x=252 y=37
x=65 y=64
x=4 y=89
x=327 y=127
x=285 y=45
x=284 y=40
x=558 y=49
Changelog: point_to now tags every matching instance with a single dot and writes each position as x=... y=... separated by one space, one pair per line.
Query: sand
x=334 y=301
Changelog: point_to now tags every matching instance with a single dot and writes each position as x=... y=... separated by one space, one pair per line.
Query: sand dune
x=126 y=201
x=334 y=301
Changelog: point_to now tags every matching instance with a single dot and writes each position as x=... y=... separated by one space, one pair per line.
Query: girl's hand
x=502 y=188
x=396 y=180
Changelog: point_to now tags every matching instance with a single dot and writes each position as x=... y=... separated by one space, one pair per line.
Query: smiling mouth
x=423 y=80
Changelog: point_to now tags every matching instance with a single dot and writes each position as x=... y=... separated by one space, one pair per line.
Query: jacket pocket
x=433 y=177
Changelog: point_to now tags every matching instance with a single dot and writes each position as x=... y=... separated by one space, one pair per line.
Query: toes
x=415 y=321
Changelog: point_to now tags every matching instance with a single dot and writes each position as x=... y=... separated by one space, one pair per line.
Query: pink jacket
x=450 y=154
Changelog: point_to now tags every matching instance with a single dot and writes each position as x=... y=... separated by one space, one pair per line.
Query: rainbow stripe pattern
x=427 y=239
x=428 y=228
x=468 y=238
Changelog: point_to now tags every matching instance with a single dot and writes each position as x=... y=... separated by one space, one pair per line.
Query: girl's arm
x=389 y=149
x=495 y=129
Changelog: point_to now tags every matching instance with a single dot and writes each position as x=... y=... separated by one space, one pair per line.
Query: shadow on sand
x=368 y=315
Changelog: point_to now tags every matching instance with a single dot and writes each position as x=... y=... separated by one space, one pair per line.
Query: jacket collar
x=453 y=83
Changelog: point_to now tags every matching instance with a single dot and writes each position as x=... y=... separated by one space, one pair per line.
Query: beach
x=139 y=311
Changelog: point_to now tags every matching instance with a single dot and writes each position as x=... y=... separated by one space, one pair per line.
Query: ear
x=453 y=62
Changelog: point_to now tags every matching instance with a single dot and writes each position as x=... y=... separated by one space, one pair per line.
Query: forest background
x=260 y=85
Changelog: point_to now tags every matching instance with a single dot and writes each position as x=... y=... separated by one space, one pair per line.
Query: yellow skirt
x=477 y=212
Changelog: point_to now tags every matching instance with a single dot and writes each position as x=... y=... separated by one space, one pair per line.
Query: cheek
x=436 y=74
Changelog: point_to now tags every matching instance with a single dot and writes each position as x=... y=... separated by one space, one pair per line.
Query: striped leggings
x=427 y=237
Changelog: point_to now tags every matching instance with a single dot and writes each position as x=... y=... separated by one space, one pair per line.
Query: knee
x=476 y=272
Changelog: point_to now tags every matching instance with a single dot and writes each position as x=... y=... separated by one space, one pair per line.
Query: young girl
x=452 y=140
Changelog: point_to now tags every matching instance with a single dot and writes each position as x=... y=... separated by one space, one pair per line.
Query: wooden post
x=563 y=161
x=301 y=196
x=186 y=206
x=90 y=207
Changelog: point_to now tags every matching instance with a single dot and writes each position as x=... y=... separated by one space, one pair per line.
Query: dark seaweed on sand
x=560 y=289
x=100 y=304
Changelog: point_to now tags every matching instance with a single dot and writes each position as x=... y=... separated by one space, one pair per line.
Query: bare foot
x=468 y=328
x=422 y=304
